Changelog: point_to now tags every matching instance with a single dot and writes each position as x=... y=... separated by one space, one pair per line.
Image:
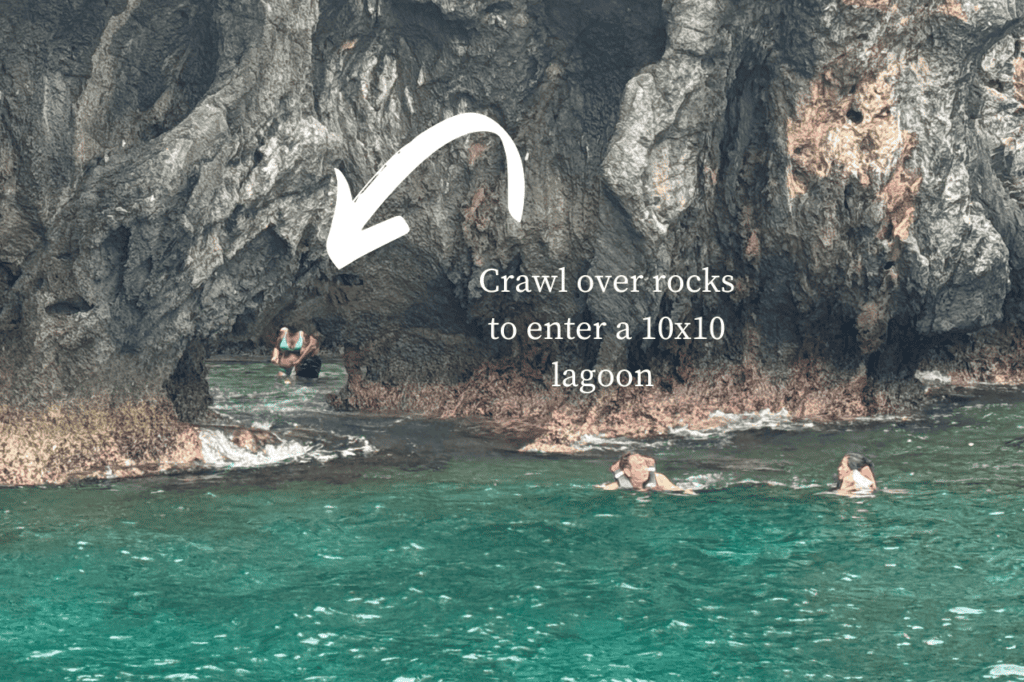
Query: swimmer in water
x=855 y=476
x=292 y=348
x=633 y=471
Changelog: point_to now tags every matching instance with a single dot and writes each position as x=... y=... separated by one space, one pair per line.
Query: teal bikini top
x=285 y=347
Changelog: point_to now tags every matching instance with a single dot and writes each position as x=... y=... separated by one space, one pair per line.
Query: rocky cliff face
x=166 y=181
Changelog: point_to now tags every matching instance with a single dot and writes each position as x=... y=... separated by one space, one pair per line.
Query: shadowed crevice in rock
x=187 y=387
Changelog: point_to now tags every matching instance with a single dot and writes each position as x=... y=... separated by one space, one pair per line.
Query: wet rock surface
x=166 y=179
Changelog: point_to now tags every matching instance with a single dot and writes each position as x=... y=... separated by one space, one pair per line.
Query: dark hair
x=624 y=458
x=857 y=462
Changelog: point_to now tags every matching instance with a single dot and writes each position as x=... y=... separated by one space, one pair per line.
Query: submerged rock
x=166 y=179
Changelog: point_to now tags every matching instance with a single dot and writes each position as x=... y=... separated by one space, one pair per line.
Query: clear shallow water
x=476 y=562
x=252 y=390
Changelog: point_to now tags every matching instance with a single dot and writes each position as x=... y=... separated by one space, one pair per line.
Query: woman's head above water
x=851 y=462
x=855 y=471
x=856 y=462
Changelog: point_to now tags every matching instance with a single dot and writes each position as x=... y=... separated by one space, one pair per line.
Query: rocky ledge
x=73 y=443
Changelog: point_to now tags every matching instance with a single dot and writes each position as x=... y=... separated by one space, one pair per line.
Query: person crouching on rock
x=633 y=471
x=296 y=350
x=855 y=475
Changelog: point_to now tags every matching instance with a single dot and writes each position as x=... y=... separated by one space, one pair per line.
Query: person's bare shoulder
x=666 y=484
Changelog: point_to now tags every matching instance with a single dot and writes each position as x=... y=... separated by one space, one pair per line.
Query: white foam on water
x=1006 y=669
x=966 y=610
x=747 y=421
x=220 y=452
x=699 y=481
x=592 y=441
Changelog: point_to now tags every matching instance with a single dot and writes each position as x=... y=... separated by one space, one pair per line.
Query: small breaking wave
x=241 y=449
x=747 y=421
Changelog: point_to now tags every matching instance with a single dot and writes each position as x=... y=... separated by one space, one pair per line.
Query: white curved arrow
x=348 y=241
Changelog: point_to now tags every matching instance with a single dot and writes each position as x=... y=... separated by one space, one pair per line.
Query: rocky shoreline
x=54 y=448
x=101 y=439
x=520 y=402
x=520 y=405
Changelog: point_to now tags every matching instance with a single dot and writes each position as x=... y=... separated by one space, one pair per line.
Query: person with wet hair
x=634 y=471
x=855 y=475
x=294 y=349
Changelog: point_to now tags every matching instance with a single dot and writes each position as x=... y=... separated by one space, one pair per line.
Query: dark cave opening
x=552 y=73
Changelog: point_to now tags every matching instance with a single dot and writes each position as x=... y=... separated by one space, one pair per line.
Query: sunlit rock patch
x=95 y=440
x=849 y=129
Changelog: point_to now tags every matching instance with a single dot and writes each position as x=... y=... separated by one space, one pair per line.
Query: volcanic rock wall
x=166 y=181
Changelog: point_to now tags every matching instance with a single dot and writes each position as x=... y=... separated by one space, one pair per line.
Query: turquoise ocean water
x=470 y=561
